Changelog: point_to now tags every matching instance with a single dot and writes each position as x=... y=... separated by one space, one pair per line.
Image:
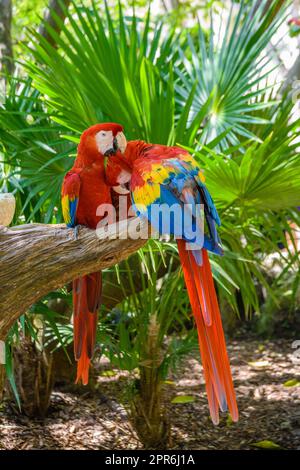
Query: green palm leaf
x=35 y=157
x=232 y=72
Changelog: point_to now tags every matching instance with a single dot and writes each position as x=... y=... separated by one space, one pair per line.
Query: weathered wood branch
x=36 y=259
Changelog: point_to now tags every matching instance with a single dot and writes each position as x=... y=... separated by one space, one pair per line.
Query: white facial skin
x=105 y=141
x=122 y=142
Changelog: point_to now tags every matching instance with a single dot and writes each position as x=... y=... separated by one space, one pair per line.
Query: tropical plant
x=84 y=87
x=80 y=87
x=254 y=220
x=34 y=154
x=231 y=75
x=30 y=344
x=168 y=88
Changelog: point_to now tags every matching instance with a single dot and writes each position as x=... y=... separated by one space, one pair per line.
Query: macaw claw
x=76 y=231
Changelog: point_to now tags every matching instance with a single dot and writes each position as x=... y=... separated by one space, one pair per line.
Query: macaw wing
x=70 y=197
x=177 y=182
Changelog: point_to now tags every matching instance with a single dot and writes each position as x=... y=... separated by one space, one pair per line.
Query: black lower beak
x=115 y=144
x=109 y=152
x=113 y=149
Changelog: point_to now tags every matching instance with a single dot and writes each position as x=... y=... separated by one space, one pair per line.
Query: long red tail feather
x=86 y=301
x=204 y=303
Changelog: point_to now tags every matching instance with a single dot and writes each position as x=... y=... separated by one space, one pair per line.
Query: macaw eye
x=104 y=141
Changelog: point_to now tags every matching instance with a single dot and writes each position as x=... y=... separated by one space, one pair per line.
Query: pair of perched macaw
x=153 y=174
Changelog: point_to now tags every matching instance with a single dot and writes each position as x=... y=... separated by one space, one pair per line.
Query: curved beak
x=113 y=150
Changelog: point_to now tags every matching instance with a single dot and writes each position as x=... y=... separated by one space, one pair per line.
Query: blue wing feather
x=178 y=183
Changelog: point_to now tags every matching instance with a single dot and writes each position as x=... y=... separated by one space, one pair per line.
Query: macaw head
x=294 y=25
x=102 y=140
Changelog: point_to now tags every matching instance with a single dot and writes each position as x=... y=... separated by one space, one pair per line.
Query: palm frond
x=230 y=65
x=35 y=158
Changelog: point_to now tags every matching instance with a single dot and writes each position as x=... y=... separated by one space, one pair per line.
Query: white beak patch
x=104 y=141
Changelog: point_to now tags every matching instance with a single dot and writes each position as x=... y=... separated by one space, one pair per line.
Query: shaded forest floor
x=269 y=410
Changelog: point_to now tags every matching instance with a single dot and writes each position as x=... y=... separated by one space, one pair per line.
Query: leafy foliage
x=230 y=75
x=161 y=298
x=104 y=72
x=34 y=154
x=208 y=90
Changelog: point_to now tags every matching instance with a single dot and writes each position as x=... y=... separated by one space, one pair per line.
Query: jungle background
x=221 y=78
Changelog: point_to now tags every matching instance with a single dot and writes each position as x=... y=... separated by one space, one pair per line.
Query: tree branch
x=36 y=259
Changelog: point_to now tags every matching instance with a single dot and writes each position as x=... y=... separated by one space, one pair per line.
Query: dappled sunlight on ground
x=97 y=420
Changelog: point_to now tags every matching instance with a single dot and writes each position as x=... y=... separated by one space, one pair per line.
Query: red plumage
x=216 y=367
x=84 y=189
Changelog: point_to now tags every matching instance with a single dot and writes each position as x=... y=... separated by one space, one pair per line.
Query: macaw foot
x=76 y=231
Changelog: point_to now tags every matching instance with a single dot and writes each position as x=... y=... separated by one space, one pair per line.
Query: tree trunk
x=49 y=19
x=36 y=259
x=6 y=50
x=34 y=377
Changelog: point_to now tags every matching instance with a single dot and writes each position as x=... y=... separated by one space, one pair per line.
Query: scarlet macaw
x=294 y=25
x=157 y=174
x=84 y=190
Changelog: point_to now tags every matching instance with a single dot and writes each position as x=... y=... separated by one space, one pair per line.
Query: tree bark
x=49 y=19
x=36 y=259
x=6 y=50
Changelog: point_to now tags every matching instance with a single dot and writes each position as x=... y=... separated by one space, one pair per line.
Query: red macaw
x=294 y=25
x=84 y=190
x=157 y=174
